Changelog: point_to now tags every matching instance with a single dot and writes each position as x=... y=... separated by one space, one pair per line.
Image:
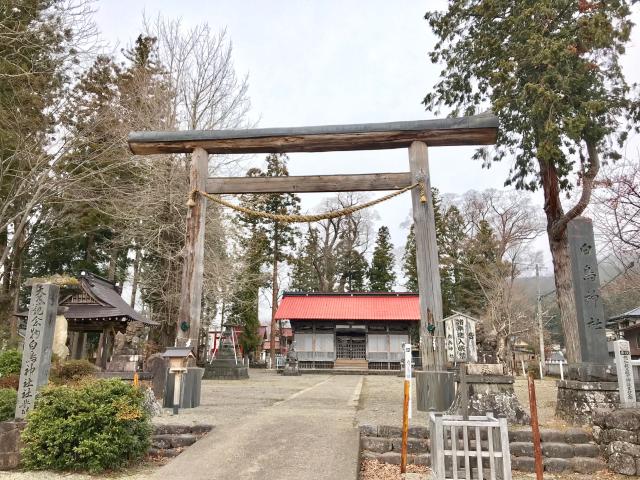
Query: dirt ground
x=546 y=392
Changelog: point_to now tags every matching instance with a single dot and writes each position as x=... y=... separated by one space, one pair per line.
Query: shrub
x=10 y=362
x=8 y=399
x=71 y=371
x=94 y=425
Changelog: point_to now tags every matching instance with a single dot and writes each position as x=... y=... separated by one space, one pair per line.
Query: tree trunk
x=564 y=293
x=16 y=280
x=136 y=277
x=274 y=298
x=113 y=263
x=559 y=247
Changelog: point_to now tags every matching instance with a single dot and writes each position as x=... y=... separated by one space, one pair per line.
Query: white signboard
x=624 y=369
x=460 y=332
x=407 y=361
x=407 y=370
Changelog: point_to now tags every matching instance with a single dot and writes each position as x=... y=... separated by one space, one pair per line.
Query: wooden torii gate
x=414 y=135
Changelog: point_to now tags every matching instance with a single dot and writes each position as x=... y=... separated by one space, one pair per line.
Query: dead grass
x=375 y=470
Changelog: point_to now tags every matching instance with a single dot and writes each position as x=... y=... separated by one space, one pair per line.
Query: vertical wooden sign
x=38 y=340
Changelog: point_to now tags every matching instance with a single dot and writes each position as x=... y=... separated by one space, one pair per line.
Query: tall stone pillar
x=38 y=340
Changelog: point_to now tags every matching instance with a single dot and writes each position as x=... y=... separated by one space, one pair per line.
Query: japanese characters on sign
x=460 y=332
x=407 y=361
x=586 y=283
x=624 y=369
x=36 y=354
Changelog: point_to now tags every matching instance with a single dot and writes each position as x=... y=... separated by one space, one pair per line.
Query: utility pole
x=539 y=316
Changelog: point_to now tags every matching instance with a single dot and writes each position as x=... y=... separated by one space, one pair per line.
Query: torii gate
x=415 y=135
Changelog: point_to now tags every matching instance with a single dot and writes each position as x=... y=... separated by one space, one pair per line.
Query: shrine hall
x=351 y=331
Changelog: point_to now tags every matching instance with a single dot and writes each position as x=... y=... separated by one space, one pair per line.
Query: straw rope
x=305 y=218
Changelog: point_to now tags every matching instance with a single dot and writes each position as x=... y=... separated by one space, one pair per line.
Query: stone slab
x=485 y=369
x=587 y=465
x=523 y=464
x=587 y=450
x=557 y=450
x=586 y=287
x=556 y=465
x=577 y=435
x=376 y=444
x=38 y=343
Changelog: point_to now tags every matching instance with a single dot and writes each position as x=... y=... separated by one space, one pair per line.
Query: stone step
x=350 y=364
x=172 y=440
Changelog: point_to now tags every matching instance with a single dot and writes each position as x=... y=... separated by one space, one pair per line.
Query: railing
x=476 y=448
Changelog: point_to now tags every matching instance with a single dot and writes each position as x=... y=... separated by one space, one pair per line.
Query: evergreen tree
x=455 y=281
x=279 y=237
x=303 y=276
x=452 y=272
x=352 y=267
x=480 y=258
x=381 y=272
x=245 y=301
x=550 y=71
x=409 y=263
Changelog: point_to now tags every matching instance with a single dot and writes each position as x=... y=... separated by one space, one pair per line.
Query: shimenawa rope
x=305 y=218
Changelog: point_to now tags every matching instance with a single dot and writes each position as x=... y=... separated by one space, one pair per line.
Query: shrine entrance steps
x=350 y=364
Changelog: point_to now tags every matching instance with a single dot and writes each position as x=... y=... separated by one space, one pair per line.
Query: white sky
x=333 y=62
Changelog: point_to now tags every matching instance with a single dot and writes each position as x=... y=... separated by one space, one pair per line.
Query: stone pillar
x=592 y=384
x=586 y=287
x=60 y=338
x=36 y=356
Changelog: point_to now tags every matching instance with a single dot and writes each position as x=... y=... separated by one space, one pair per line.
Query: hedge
x=10 y=362
x=8 y=399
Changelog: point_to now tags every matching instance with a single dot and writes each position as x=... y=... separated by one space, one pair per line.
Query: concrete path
x=310 y=434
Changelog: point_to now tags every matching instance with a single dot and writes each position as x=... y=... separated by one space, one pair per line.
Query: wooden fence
x=476 y=448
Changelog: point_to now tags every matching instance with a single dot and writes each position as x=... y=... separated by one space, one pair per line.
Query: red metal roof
x=352 y=306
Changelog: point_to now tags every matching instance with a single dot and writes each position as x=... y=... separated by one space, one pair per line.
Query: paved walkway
x=308 y=434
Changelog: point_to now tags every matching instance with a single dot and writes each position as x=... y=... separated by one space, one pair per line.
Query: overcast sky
x=333 y=62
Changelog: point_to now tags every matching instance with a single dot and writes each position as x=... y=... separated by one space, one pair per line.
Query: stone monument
x=38 y=340
x=225 y=365
x=591 y=384
x=59 y=347
x=127 y=349
x=488 y=390
x=291 y=368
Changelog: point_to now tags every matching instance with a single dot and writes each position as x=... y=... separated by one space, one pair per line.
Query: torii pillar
x=188 y=327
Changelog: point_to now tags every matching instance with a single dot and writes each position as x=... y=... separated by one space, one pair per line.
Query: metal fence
x=476 y=448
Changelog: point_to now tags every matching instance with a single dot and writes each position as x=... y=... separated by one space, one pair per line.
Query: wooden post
x=431 y=344
x=406 y=406
x=188 y=327
x=535 y=429
x=405 y=428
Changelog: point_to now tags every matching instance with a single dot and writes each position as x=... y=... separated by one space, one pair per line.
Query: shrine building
x=351 y=331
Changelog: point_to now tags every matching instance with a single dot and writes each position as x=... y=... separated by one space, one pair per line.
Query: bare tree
x=339 y=236
x=514 y=223
x=617 y=209
x=199 y=90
